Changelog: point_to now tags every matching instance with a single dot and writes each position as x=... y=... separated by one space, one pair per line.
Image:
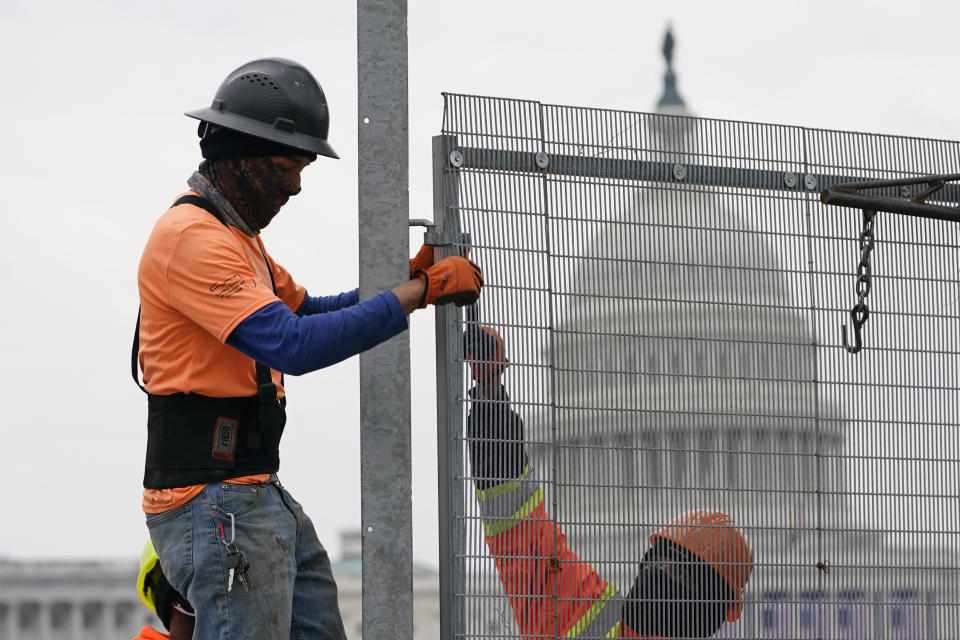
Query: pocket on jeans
x=237 y=499
x=172 y=536
x=154 y=519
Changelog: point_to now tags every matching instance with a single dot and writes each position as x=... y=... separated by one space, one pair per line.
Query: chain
x=860 y=311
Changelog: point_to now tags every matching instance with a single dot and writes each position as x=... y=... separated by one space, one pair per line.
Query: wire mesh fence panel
x=656 y=428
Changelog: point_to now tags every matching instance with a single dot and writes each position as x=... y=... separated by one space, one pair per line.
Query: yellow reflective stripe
x=493 y=528
x=592 y=613
x=503 y=488
x=615 y=632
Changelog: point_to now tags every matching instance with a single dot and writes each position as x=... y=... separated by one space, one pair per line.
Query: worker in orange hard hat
x=690 y=581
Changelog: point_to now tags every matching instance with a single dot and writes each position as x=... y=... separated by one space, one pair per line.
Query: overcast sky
x=95 y=147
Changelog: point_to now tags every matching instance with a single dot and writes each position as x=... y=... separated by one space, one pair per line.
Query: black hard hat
x=273 y=99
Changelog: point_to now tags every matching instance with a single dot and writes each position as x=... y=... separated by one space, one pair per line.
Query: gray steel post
x=384 y=370
x=449 y=383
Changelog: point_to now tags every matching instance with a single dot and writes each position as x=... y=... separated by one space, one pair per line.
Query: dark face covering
x=676 y=595
x=255 y=186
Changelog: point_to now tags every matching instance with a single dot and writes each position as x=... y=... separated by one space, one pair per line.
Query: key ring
x=233 y=532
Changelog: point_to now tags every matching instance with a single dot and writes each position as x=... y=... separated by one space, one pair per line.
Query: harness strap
x=134 y=360
x=266 y=389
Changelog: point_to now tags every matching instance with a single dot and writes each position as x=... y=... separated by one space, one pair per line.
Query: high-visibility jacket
x=552 y=592
x=149 y=633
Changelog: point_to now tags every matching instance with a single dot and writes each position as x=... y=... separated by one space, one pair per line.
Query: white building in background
x=686 y=378
x=71 y=600
x=91 y=600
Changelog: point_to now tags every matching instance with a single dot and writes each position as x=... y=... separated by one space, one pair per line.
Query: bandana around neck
x=211 y=194
x=256 y=187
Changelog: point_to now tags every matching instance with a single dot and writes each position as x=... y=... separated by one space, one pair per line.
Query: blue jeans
x=293 y=594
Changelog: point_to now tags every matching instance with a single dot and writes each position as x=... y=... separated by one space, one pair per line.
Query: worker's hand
x=423 y=260
x=453 y=279
x=486 y=356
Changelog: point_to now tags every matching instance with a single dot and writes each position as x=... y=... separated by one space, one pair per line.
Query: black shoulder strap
x=266 y=389
x=134 y=359
x=197 y=201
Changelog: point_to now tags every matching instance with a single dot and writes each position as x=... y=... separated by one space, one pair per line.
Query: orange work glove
x=453 y=279
x=423 y=259
x=485 y=354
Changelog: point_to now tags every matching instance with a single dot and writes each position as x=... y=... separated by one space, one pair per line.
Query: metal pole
x=384 y=370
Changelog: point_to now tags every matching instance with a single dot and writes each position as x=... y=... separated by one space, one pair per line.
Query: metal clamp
x=434 y=238
x=679 y=172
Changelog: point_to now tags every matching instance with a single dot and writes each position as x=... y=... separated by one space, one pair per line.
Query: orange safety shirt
x=198 y=280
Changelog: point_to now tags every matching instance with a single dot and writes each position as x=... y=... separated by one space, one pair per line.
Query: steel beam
x=385 y=370
x=706 y=175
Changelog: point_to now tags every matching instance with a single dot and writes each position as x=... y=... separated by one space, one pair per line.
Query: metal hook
x=846 y=344
x=233 y=531
x=859 y=315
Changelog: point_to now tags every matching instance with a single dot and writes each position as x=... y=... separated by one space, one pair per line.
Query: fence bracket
x=433 y=238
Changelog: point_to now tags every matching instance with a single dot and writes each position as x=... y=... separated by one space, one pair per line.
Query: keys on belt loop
x=237 y=565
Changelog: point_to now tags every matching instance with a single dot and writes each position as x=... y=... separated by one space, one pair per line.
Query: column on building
x=45 y=619
x=75 y=622
x=96 y=612
x=10 y=623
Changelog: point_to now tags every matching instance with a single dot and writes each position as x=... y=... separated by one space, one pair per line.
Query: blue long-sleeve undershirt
x=296 y=344
x=312 y=306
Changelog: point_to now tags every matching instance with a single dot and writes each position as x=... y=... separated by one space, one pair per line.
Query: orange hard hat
x=714 y=537
x=484 y=345
x=495 y=350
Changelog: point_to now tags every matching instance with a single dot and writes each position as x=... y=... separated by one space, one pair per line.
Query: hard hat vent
x=262 y=80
